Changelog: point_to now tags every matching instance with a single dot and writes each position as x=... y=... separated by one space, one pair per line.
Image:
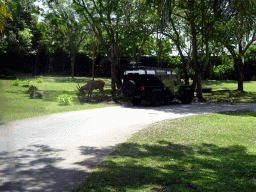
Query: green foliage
x=19 y=33
x=254 y=78
x=250 y=54
x=39 y=80
x=4 y=14
x=16 y=82
x=25 y=37
x=27 y=82
x=64 y=99
x=175 y=62
x=223 y=72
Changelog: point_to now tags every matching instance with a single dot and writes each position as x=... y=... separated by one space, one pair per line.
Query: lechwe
x=90 y=86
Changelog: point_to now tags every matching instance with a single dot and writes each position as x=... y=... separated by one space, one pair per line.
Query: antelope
x=90 y=86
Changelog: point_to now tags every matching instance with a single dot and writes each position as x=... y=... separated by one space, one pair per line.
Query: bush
x=16 y=82
x=64 y=99
x=27 y=83
x=39 y=80
x=254 y=78
x=224 y=72
x=31 y=89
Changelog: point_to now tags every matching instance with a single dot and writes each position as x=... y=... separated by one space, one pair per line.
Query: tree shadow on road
x=35 y=169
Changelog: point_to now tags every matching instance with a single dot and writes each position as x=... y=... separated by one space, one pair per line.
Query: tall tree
x=63 y=16
x=20 y=32
x=236 y=29
x=196 y=14
x=137 y=30
x=106 y=18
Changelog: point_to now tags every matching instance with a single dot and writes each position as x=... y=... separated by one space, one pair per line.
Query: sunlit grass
x=226 y=91
x=17 y=103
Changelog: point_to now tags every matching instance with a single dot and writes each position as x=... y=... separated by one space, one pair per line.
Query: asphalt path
x=57 y=152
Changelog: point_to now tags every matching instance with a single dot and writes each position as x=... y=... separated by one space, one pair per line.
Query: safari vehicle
x=157 y=85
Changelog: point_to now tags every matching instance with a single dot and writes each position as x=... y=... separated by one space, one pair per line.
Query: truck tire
x=157 y=99
x=129 y=88
x=186 y=100
x=136 y=101
x=186 y=94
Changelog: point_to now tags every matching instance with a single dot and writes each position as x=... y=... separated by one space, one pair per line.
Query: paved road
x=56 y=152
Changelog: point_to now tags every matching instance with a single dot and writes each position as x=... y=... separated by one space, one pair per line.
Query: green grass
x=211 y=152
x=217 y=85
x=226 y=91
x=16 y=102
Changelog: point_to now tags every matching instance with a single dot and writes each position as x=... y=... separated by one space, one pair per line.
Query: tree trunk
x=93 y=62
x=194 y=81
x=184 y=64
x=196 y=65
x=115 y=75
x=199 y=86
x=239 y=68
x=185 y=71
x=115 y=78
x=72 y=66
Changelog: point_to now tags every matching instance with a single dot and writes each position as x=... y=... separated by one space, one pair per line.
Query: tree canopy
x=5 y=14
x=194 y=29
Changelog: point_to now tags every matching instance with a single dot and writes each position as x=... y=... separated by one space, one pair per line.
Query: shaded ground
x=56 y=152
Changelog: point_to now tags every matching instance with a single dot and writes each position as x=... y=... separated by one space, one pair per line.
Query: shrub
x=31 y=89
x=16 y=82
x=223 y=72
x=64 y=99
x=254 y=78
x=27 y=83
x=39 y=80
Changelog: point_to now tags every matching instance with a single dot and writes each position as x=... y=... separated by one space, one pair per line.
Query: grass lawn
x=225 y=91
x=16 y=103
x=211 y=152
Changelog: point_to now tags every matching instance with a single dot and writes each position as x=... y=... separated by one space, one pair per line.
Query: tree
x=19 y=34
x=236 y=28
x=4 y=14
x=197 y=15
x=67 y=23
x=173 y=30
x=137 y=30
x=91 y=47
x=107 y=20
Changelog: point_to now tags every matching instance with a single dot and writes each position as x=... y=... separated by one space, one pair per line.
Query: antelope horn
x=78 y=87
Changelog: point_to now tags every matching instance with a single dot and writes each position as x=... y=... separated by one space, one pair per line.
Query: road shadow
x=175 y=167
x=34 y=168
x=196 y=108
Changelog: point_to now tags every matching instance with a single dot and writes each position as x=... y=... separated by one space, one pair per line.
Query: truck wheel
x=156 y=100
x=186 y=100
x=136 y=101
x=129 y=88
x=168 y=100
